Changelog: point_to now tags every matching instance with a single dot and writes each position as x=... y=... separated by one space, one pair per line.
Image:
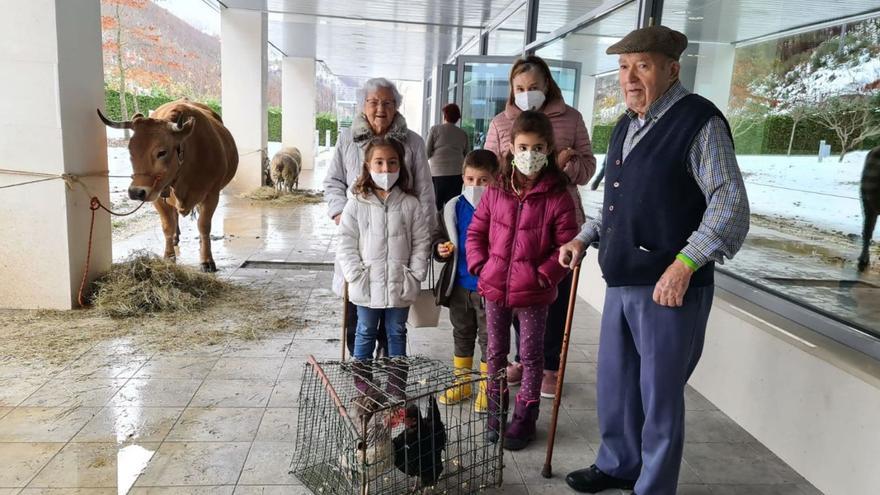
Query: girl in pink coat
x=512 y=245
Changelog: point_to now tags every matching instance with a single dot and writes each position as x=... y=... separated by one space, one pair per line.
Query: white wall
x=413 y=104
x=53 y=47
x=244 y=63
x=817 y=408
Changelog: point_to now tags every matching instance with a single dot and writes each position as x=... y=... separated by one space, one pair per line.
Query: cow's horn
x=180 y=124
x=125 y=124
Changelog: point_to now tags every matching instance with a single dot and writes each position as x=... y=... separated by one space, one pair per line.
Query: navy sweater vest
x=652 y=203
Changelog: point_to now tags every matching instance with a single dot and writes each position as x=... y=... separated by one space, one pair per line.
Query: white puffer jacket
x=383 y=249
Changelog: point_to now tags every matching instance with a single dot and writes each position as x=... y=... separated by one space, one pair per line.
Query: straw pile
x=146 y=283
x=272 y=197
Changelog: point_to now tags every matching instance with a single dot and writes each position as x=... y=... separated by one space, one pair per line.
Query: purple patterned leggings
x=533 y=323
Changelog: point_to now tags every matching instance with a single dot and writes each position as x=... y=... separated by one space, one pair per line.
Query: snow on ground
x=800 y=188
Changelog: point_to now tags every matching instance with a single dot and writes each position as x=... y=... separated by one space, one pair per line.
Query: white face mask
x=385 y=180
x=529 y=162
x=529 y=100
x=473 y=194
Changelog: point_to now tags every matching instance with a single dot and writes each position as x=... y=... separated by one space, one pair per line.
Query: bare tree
x=853 y=118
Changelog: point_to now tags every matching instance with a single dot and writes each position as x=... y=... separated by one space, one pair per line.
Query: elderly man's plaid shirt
x=712 y=164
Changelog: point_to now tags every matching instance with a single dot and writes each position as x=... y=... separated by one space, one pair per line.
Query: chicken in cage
x=375 y=427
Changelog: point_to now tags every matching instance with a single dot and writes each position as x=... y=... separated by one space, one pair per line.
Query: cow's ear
x=182 y=130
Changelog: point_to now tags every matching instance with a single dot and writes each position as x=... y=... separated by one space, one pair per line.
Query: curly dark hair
x=532 y=122
x=365 y=185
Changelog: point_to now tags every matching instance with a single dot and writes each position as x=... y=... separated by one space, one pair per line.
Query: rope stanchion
x=94 y=205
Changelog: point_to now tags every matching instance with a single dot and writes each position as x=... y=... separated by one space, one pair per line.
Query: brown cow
x=182 y=156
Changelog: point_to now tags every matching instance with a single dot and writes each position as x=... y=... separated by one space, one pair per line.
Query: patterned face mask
x=529 y=162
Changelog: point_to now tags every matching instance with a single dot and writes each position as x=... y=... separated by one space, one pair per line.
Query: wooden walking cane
x=344 y=318
x=547 y=472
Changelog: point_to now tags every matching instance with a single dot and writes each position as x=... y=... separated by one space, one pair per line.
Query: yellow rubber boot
x=481 y=404
x=458 y=393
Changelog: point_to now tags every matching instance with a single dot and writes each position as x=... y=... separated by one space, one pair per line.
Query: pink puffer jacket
x=513 y=244
x=569 y=131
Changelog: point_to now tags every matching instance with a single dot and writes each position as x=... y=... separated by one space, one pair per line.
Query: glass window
x=553 y=14
x=508 y=37
x=485 y=92
x=803 y=109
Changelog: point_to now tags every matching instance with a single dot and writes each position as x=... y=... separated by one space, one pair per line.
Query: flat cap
x=658 y=39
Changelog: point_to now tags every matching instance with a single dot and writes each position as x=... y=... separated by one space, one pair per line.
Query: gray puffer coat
x=383 y=250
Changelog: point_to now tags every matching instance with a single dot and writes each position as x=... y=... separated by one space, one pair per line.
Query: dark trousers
x=647 y=352
x=468 y=317
x=555 y=326
x=446 y=187
x=351 y=331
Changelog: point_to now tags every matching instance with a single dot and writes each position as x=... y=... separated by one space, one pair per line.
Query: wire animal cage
x=376 y=428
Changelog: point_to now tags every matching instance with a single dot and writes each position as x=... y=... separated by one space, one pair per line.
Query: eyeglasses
x=373 y=103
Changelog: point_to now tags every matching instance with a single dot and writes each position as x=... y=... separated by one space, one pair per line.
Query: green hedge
x=157 y=99
x=145 y=103
x=274 y=124
x=601 y=135
x=769 y=137
x=323 y=122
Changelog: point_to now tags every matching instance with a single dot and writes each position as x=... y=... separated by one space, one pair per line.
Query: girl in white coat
x=384 y=247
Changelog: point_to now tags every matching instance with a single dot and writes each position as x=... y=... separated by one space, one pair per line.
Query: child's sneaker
x=514 y=373
x=548 y=384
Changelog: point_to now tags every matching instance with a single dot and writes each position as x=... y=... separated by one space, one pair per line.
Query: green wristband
x=687 y=261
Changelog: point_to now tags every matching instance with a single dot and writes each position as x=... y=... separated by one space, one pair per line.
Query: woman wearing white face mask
x=532 y=88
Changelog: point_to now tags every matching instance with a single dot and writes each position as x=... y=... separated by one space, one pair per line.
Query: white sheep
x=285 y=168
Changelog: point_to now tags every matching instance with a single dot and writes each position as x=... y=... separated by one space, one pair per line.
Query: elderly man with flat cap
x=675 y=204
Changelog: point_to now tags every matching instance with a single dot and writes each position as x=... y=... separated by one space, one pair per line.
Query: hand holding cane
x=547 y=471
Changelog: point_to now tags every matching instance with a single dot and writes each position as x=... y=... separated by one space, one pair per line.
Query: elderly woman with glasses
x=380 y=118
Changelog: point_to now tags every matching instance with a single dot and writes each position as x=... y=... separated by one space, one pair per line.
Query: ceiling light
x=696 y=18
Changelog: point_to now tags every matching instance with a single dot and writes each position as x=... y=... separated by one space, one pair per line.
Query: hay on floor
x=272 y=197
x=146 y=283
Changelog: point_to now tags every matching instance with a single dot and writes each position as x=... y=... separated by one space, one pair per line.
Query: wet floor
x=221 y=419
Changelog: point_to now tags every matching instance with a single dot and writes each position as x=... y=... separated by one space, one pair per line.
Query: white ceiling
x=406 y=39
x=390 y=38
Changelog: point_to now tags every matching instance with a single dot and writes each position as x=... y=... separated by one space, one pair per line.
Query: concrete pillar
x=244 y=63
x=298 y=96
x=48 y=125
x=413 y=103
x=714 y=73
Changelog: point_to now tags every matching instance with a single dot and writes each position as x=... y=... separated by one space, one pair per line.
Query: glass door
x=483 y=90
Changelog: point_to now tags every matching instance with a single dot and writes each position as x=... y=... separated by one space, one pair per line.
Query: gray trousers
x=468 y=318
x=647 y=352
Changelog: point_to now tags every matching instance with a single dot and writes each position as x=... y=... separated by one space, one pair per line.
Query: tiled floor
x=221 y=419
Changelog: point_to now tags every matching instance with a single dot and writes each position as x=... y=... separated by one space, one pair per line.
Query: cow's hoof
x=209 y=267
